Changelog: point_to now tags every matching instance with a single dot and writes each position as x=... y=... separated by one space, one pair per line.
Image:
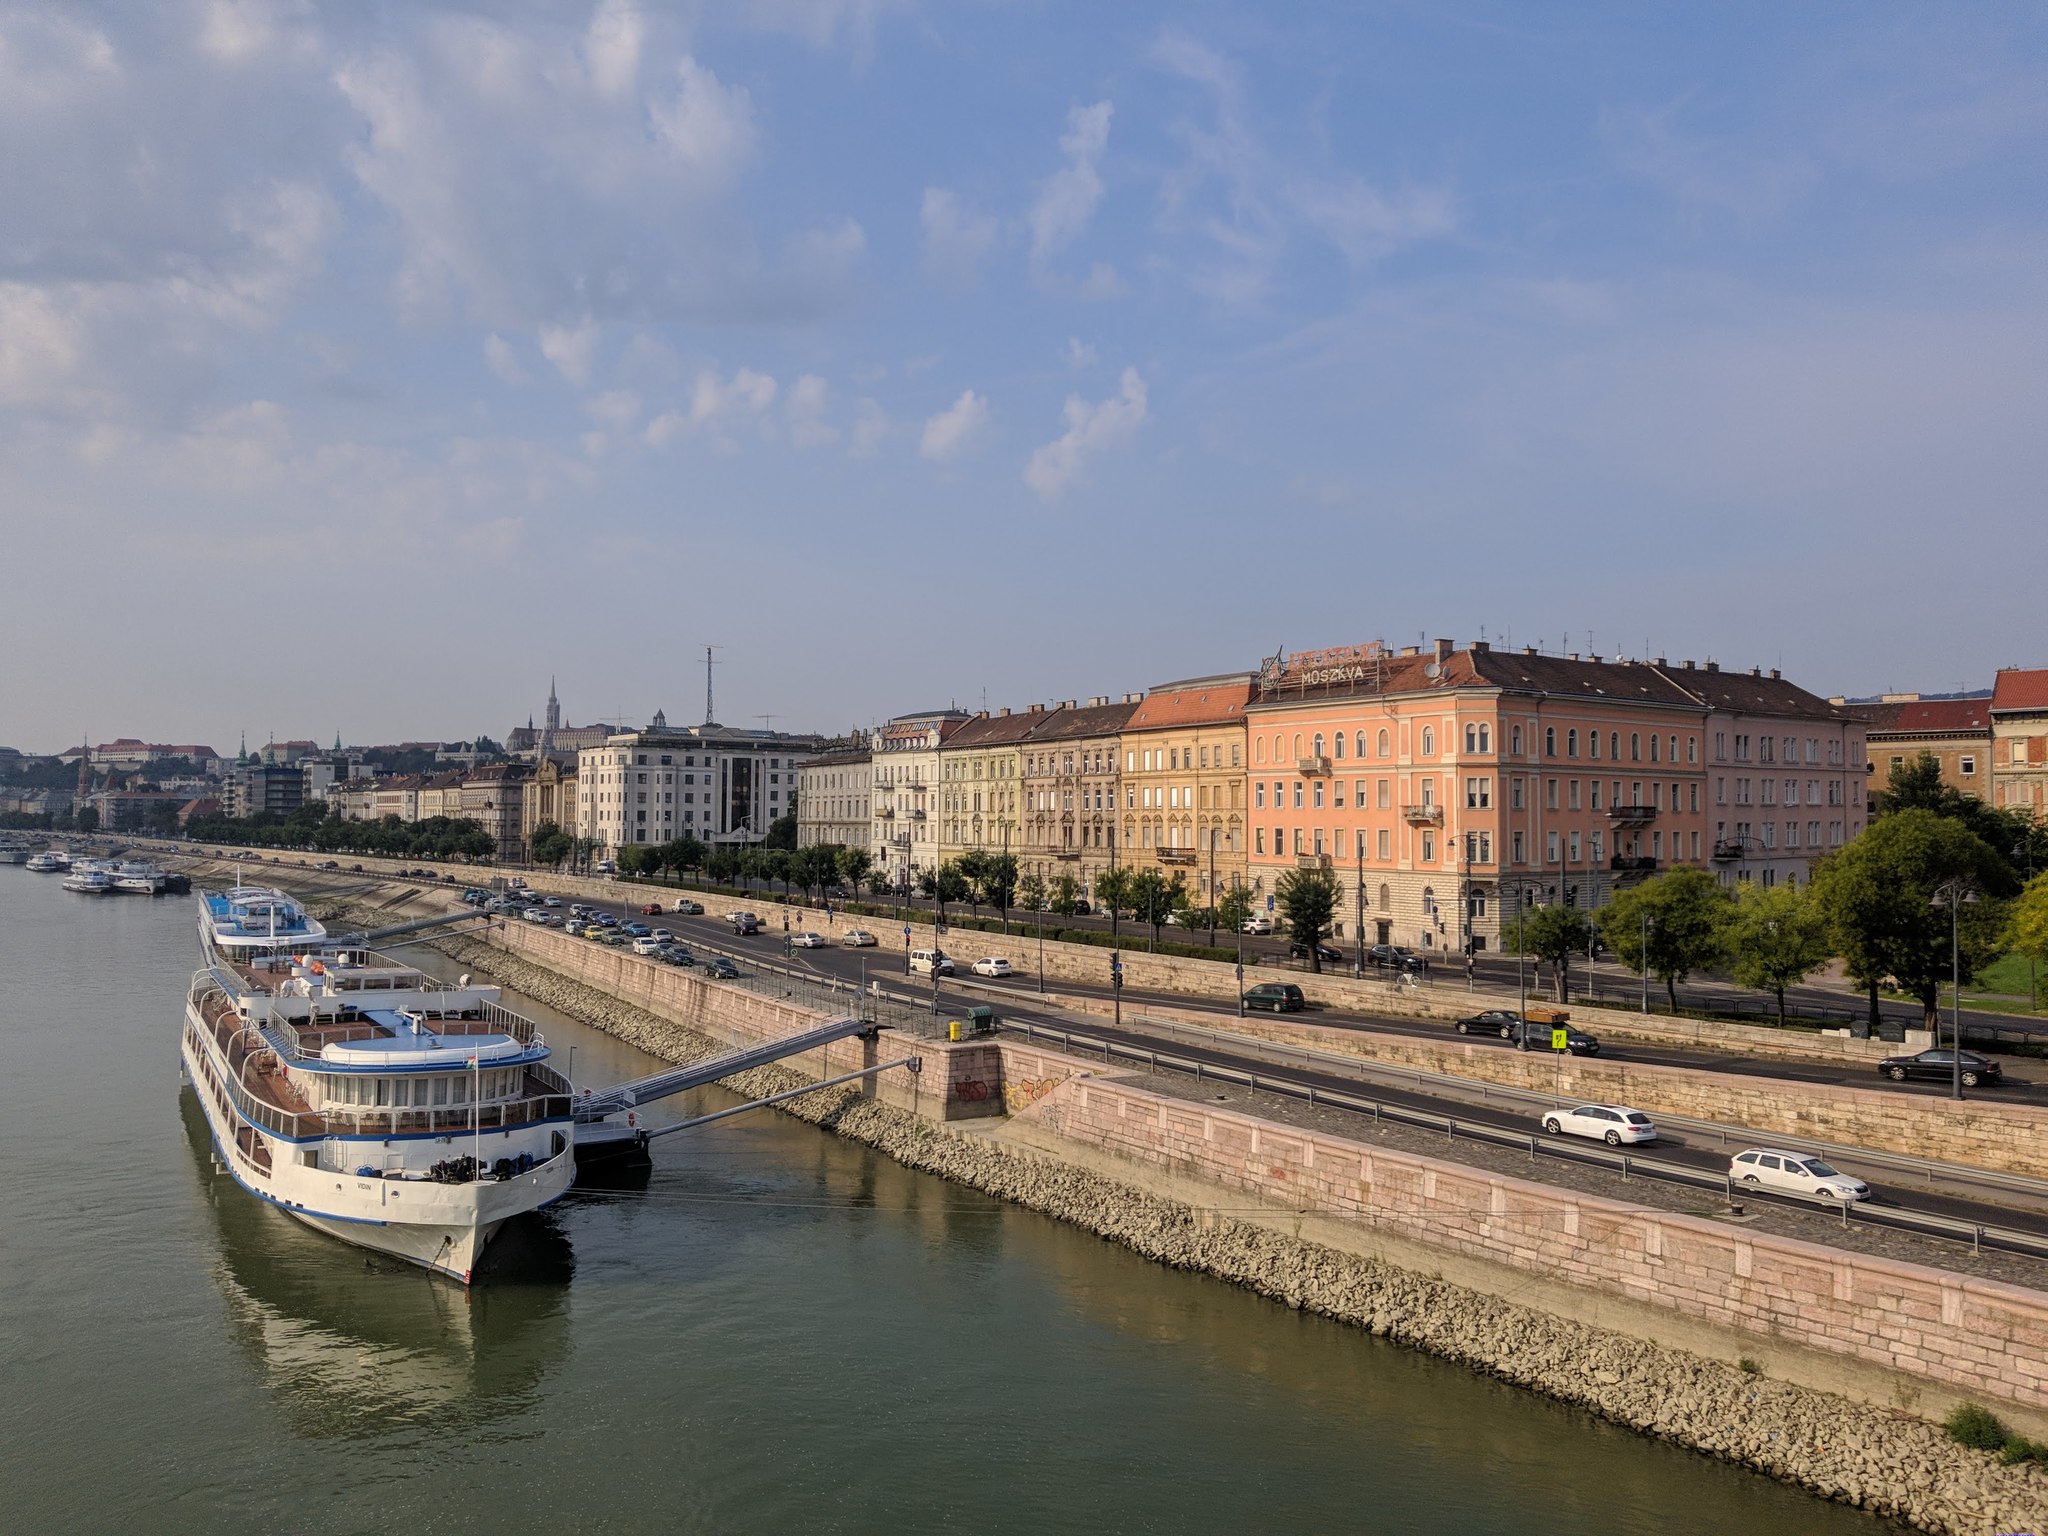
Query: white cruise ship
x=370 y=1101
x=90 y=877
x=50 y=861
x=138 y=877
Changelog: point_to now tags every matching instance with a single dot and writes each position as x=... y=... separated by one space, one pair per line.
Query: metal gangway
x=597 y=1134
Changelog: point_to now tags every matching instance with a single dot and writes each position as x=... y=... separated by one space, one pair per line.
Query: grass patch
x=1977 y=1427
x=2007 y=975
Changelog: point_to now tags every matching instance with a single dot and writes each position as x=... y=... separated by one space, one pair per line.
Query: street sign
x=1560 y=1039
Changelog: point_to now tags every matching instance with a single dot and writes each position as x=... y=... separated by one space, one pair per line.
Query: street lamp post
x=1358 y=911
x=1521 y=888
x=1953 y=894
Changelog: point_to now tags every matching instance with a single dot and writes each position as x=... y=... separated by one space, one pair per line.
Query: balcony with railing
x=1312 y=861
x=1630 y=863
x=1176 y=855
x=915 y=813
x=885 y=813
x=1424 y=815
x=1728 y=850
x=1634 y=815
x=1316 y=765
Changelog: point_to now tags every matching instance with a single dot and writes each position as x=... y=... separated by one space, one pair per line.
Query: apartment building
x=712 y=782
x=1184 y=781
x=903 y=778
x=833 y=806
x=981 y=791
x=1955 y=732
x=494 y=798
x=2019 y=745
x=550 y=797
x=1789 y=771
x=1073 y=789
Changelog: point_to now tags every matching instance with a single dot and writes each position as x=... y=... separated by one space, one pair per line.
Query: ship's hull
x=443 y=1227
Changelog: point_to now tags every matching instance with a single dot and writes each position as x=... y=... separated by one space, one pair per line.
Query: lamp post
x=1521 y=888
x=1649 y=922
x=1953 y=894
x=1358 y=965
x=1116 y=954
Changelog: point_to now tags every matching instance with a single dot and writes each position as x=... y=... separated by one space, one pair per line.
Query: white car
x=551 y=901
x=993 y=965
x=534 y=915
x=646 y=946
x=1794 y=1173
x=689 y=908
x=807 y=941
x=1614 y=1124
x=662 y=935
x=858 y=938
x=1258 y=925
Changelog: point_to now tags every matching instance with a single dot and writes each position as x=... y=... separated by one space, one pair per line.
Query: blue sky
x=361 y=367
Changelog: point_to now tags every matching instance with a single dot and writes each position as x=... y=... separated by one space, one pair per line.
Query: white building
x=903 y=797
x=711 y=782
x=832 y=805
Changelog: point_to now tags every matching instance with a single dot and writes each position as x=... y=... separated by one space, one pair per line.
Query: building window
x=1429 y=847
x=1966 y=764
x=1386 y=851
x=1515 y=740
x=1385 y=739
x=1550 y=741
x=1297 y=794
x=1520 y=858
x=1571 y=743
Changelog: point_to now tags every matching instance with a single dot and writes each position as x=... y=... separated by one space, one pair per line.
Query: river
x=782 y=1332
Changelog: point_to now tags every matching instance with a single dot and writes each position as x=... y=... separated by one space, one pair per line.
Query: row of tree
x=313 y=827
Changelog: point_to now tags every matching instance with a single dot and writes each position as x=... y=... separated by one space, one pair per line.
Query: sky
x=363 y=367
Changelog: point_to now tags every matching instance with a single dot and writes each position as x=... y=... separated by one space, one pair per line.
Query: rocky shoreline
x=1889 y=1464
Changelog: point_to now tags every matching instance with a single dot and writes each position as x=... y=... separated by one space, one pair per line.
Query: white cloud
x=611 y=46
x=504 y=361
x=1068 y=198
x=716 y=404
x=571 y=348
x=804 y=411
x=1102 y=282
x=1091 y=431
x=1078 y=354
x=955 y=430
x=707 y=126
x=617 y=409
x=955 y=237
x=870 y=429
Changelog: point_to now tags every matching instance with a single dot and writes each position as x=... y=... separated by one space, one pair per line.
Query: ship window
x=440 y=1091
x=461 y=1090
x=383 y=1092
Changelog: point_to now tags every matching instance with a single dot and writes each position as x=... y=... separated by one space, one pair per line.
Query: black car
x=1278 y=996
x=1941 y=1064
x=1535 y=1036
x=1494 y=1021
x=721 y=969
x=1394 y=955
x=1330 y=953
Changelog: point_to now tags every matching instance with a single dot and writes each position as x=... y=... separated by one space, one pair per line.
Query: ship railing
x=455 y=1120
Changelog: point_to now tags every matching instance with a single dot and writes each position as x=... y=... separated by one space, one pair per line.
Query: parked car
x=993 y=965
x=676 y=954
x=807 y=941
x=616 y=938
x=647 y=946
x=930 y=962
x=652 y=909
x=605 y=920
x=605 y=867
x=551 y=901
x=592 y=931
x=328 y=864
x=1276 y=996
x=534 y=915
x=1611 y=1123
x=1257 y=924
x=1795 y=1173
x=688 y=908
x=1941 y=1065
x=858 y=938
x=719 y=968
x=1330 y=954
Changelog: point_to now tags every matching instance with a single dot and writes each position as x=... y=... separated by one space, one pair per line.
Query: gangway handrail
x=596 y=1104
x=915 y=1063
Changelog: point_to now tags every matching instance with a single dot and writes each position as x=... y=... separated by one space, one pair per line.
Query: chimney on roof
x=1756 y=671
x=1411 y=650
x=1139 y=698
x=1713 y=666
x=1775 y=675
x=1528 y=650
x=1066 y=703
x=1003 y=713
x=1662 y=662
x=1444 y=649
x=1574 y=656
x=1481 y=647
x=1687 y=664
x=1038 y=709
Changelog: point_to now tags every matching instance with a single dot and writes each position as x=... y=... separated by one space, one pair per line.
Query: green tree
x=1877 y=896
x=1687 y=911
x=854 y=864
x=1065 y=897
x=88 y=819
x=1233 y=910
x=781 y=832
x=636 y=860
x=1153 y=898
x=999 y=884
x=972 y=868
x=1554 y=933
x=1113 y=889
x=551 y=844
x=1032 y=894
x=1308 y=900
x=1776 y=938
x=1916 y=785
x=2028 y=934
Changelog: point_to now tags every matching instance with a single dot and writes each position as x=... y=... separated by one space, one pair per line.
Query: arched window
x=1571 y=743
x=1428 y=741
x=1358 y=744
x=1653 y=746
x=1614 y=745
x=1339 y=744
x=1297 y=743
x=1429 y=901
x=1515 y=741
x=1386 y=899
x=1384 y=740
x=1550 y=741
x=1319 y=744
x=1279 y=748
x=1593 y=745
x=1635 y=746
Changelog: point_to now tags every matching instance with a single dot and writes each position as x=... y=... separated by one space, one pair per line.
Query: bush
x=1749 y=1366
x=2019 y=1448
x=1978 y=1428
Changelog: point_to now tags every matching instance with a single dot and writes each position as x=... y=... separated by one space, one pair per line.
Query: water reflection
x=354 y=1344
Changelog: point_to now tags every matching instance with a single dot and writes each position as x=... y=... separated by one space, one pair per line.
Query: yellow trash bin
x=953 y=1030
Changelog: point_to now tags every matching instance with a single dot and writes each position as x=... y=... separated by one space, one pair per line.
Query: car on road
x=1794 y=1173
x=687 y=907
x=858 y=938
x=592 y=931
x=993 y=965
x=743 y=922
x=930 y=962
x=638 y=929
x=647 y=946
x=1531 y=1034
x=1941 y=1066
x=1329 y=954
x=675 y=954
x=328 y=864
x=1275 y=997
x=1398 y=956
x=536 y=915
x=719 y=968
x=1615 y=1124
x=616 y=938
x=652 y=909
x=551 y=901
x=807 y=941
x=1257 y=924
x=1490 y=1021
x=605 y=920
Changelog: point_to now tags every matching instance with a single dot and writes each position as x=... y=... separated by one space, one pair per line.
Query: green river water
x=782 y=1333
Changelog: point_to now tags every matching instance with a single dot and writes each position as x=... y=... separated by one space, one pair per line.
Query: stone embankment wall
x=1977 y=1133
x=1888 y=1462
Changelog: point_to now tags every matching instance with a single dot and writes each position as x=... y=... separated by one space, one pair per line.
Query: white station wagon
x=1611 y=1123
x=1795 y=1173
x=993 y=965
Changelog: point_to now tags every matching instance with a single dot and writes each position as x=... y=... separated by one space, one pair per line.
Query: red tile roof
x=1202 y=701
x=1927 y=717
x=2019 y=688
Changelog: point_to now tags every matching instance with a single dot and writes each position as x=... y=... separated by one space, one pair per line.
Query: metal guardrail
x=1977 y=1235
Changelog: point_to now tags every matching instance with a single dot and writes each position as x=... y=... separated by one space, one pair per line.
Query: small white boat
x=139 y=877
x=90 y=882
x=50 y=862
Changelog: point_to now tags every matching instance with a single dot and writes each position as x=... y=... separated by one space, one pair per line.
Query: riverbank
x=1886 y=1462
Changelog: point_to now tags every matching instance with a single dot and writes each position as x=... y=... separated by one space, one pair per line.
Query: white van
x=929 y=962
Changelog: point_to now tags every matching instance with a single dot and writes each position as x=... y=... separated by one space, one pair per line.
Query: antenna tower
x=709 y=717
